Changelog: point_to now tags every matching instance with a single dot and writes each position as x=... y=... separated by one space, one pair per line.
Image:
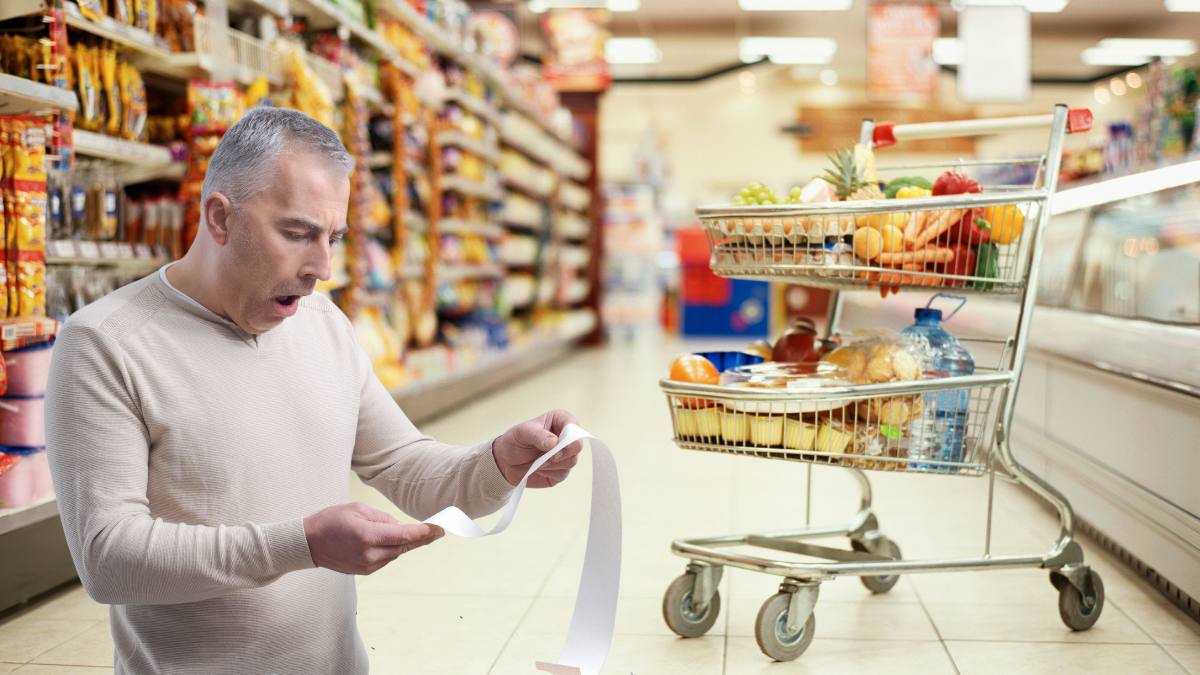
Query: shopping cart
x=843 y=425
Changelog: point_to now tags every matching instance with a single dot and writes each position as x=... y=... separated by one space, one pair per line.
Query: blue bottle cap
x=928 y=313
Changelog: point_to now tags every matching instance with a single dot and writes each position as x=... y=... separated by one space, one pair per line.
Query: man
x=202 y=421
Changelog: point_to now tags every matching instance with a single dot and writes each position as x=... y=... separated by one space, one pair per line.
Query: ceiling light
x=1117 y=85
x=1102 y=96
x=1183 y=5
x=947 y=51
x=795 y=5
x=829 y=77
x=1150 y=47
x=1095 y=56
x=1133 y=80
x=787 y=50
x=539 y=6
x=631 y=51
x=1036 y=6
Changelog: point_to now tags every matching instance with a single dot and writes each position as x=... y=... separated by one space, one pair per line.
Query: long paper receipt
x=595 y=613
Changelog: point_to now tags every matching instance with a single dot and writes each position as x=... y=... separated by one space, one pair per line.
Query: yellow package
x=3 y=284
x=93 y=9
x=86 y=88
x=112 y=94
x=31 y=287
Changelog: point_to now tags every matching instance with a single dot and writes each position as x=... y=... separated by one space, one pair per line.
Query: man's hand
x=357 y=539
x=521 y=445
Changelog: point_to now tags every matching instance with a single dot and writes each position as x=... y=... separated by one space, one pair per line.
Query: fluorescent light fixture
x=539 y=6
x=1095 y=56
x=1034 y=6
x=813 y=51
x=1183 y=5
x=1150 y=47
x=947 y=51
x=795 y=5
x=631 y=51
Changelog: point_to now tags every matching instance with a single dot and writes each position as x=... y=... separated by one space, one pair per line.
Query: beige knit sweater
x=185 y=453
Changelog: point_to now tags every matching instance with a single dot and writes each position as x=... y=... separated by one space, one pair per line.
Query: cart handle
x=889 y=133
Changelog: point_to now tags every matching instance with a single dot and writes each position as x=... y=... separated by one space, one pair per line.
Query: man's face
x=280 y=240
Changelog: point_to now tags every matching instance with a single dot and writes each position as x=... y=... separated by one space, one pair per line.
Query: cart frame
x=786 y=624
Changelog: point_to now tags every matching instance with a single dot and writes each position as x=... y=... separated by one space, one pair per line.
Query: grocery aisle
x=498 y=604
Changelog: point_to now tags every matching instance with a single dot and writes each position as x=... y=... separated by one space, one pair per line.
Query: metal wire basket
x=930 y=242
x=943 y=425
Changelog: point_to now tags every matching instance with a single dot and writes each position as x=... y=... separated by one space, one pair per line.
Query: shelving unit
x=19 y=95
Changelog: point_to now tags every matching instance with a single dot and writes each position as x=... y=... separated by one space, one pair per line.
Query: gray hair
x=243 y=164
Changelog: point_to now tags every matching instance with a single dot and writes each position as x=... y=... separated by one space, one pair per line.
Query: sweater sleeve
x=99 y=453
x=415 y=472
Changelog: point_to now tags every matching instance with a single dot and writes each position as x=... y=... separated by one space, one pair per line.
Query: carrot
x=922 y=279
x=914 y=226
x=925 y=255
x=938 y=226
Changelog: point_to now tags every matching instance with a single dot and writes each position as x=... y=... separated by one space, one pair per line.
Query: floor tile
x=24 y=638
x=436 y=634
x=1028 y=622
x=70 y=603
x=827 y=656
x=847 y=620
x=843 y=589
x=642 y=654
x=635 y=616
x=1164 y=622
x=1033 y=658
x=8 y=667
x=93 y=647
x=1188 y=655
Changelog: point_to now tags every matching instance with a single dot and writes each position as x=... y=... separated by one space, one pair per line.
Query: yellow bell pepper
x=1007 y=222
x=913 y=191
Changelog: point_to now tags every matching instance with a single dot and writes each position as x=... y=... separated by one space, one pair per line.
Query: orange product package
x=31 y=284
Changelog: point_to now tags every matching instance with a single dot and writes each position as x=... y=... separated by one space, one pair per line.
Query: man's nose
x=318 y=262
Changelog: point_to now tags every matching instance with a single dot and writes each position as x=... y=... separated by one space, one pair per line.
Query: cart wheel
x=771 y=629
x=681 y=616
x=880 y=584
x=1079 y=611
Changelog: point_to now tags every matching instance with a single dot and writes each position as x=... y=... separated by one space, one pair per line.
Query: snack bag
x=112 y=94
x=31 y=285
x=882 y=357
x=87 y=88
x=95 y=10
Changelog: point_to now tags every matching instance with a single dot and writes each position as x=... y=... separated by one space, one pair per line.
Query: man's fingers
x=372 y=514
x=533 y=435
x=557 y=420
x=403 y=534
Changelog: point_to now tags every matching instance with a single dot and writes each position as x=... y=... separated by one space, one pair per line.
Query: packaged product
x=31 y=285
x=112 y=91
x=96 y=10
x=213 y=107
x=87 y=86
x=133 y=102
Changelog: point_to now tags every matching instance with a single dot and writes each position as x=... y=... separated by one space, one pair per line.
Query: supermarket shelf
x=415 y=221
x=465 y=272
x=19 y=95
x=412 y=168
x=379 y=160
x=275 y=7
x=412 y=272
x=105 y=254
x=140 y=162
x=455 y=226
x=470 y=188
x=457 y=139
x=474 y=104
x=517 y=142
x=514 y=183
x=15 y=519
x=530 y=225
x=110 y=29
x=435 y=396
x=324 y=14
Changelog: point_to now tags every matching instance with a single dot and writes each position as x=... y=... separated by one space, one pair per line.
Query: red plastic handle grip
x=1079 y=120
x=884 y=134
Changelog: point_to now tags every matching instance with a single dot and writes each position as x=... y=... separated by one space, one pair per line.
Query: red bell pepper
x=963 y=264
x=971 y=228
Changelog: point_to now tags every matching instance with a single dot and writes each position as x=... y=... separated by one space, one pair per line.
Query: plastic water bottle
x=939 y=433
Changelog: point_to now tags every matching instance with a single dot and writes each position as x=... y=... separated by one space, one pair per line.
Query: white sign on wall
x=996 y=60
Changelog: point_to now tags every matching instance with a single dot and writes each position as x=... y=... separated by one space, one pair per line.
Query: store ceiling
x=700 y=36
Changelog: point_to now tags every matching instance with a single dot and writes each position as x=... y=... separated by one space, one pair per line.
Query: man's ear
x=217 y=212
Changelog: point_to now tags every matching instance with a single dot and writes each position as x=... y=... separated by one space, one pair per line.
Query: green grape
x=755 y=185
x=738 y=201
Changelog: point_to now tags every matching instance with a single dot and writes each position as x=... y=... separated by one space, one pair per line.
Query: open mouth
x=286 y=303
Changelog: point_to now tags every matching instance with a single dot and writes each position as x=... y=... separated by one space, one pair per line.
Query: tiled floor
x=496 y=605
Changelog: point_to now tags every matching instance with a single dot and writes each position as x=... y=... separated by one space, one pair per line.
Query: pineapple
x=853 y=177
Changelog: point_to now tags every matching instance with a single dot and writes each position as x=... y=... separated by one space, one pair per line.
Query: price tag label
x=88 y=249
x=143 y=251
x=110 y=250
x=125 y=250
x=61 y=248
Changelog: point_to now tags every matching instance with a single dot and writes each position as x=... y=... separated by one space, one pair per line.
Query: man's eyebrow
x=310 y=225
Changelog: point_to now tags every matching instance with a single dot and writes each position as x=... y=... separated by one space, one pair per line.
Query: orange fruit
x=694 y=369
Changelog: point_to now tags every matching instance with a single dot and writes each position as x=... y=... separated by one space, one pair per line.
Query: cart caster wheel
x=1079 y=611
x=880 y=584
x=681 y=616
x=772 y=634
